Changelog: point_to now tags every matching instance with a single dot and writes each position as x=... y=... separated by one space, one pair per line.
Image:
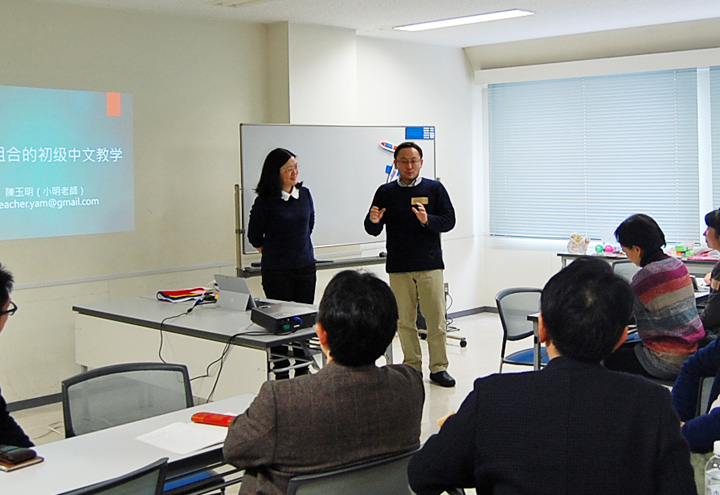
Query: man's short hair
x=359 y=313
x=407 y=144
x=6 y=285
x=585 y=308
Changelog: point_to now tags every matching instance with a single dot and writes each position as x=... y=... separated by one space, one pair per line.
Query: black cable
x=161 y=331
x=224 y=352
x=447 y=308
x=222 y=360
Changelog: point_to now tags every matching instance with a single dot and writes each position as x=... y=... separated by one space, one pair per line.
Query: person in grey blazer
x=572 y=427
x=349 y=412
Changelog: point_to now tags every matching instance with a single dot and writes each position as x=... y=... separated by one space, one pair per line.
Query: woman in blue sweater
x=281 y=222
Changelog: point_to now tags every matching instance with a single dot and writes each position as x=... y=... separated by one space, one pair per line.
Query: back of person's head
x=6 y=285
x=269 y=185
x=585 y=308
x=712 y=219
x=642 y=231
x=359 y=313
x=407 y=144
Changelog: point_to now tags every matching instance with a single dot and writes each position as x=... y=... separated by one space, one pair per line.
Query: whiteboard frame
x=284 y=135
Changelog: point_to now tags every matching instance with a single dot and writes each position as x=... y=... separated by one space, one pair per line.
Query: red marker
x=214 y=419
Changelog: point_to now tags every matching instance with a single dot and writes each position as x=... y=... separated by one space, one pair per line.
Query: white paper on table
x=184 y=438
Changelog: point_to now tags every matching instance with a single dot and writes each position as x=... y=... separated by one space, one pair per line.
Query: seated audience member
x=349 y=412
x=667 y=320
x=701 y=431
x=711 y=314
x=572 y=427
x=10 y=432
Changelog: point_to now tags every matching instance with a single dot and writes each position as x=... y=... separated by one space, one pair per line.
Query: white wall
x=193 y=81
x=339 y=78
x=412 y=84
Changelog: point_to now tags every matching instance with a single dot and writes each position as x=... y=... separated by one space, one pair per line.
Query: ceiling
x=376 y=18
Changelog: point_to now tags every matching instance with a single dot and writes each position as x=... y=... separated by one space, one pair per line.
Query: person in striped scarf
x=667 y=320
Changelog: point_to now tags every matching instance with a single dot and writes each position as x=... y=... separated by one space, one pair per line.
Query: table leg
x=537 y=355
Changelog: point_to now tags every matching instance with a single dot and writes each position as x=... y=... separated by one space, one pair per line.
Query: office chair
x=380 y=476
x=147 y=480
x=122 y=393
x=625 y=269
x=514 y=305
x=705 y=398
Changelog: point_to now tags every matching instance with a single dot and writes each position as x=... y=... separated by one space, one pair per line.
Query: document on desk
x=184 y=438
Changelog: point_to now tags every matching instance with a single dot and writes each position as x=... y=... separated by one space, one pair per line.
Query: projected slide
x=66 y=162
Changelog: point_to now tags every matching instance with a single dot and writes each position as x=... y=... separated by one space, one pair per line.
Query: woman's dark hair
x=642 y=231
x=269 y=185
x=712 y=219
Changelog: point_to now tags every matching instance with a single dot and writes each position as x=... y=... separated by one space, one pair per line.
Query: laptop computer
x=234 y=293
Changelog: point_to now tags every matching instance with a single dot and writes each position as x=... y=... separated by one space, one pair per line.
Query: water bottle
x=712 y=471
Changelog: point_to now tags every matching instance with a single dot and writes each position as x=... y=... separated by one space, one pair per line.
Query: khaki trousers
x=427 y=288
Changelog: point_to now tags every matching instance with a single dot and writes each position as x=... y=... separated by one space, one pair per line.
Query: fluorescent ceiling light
x=461 y=21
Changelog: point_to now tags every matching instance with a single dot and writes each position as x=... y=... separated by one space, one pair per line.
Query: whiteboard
x=341 y=165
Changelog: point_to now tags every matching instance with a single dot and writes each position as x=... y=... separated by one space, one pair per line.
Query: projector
x=283 y=317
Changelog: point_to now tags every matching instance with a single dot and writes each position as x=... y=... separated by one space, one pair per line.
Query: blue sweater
x=412 y=247
x=282 y=229
x=701 y=431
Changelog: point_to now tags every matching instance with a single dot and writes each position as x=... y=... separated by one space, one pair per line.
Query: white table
x=86 y=459
x=696 y=267
x=131 y=330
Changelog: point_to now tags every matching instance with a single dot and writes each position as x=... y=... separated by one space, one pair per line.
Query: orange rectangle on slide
x=114 y=107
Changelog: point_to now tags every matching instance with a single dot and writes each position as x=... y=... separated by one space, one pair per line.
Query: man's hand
x=420 y=213
x=376 y=214
x=442 y=420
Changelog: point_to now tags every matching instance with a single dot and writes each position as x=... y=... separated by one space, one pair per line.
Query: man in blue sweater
x=415 y=211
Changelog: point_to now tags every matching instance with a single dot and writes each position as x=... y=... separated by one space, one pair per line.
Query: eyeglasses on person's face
x=11 y=309
x=413 y=162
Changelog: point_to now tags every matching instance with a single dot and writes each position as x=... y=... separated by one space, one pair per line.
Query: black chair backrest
x=119 y=394
x=625 y=269
x=387 y=475
x=514 y=305
x=704 y=394
x=147 y=480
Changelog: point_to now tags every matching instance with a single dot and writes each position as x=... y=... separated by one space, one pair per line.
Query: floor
x=479 y=358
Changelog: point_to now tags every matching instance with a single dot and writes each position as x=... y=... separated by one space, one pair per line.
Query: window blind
x=580 y=155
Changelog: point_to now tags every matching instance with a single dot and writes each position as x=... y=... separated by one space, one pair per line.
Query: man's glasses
x=412 y=162
x=10 y=311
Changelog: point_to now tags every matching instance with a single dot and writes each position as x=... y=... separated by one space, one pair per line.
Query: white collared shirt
x=414 y=183
x=295 y=193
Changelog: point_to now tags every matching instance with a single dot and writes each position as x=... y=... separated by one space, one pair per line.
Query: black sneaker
x=443 y=379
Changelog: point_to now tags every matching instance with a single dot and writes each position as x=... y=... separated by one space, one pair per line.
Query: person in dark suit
x=10 y=432
x=350 y=412
x=572 y=427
